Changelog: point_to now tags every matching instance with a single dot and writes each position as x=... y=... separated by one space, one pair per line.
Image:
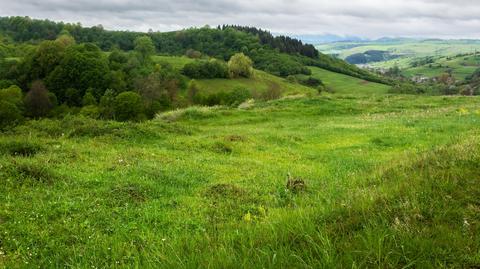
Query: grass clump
x=20 y=148
x=190 y=113
x=29 y=172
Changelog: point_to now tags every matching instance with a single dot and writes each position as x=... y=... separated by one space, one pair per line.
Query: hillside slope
x=376 y=186
x=219 y=42
x=258 y=84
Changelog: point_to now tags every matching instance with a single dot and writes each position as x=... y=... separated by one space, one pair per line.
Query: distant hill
x=328 y=38
x=370 y=56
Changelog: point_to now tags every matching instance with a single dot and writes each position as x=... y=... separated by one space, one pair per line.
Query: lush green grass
x=340 y=83
x=176 y=62
x=388 y=182
x=259 y=83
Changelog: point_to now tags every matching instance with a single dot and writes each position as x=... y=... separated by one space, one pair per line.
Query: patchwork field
x=461 y=67
x=339 y=180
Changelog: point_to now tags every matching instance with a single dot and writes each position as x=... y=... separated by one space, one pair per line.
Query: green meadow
x=337 y=180
x=461 y=67
x=340 y=83
x=109 y=160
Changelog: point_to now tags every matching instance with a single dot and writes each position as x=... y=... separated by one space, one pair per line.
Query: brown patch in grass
x=295 y=185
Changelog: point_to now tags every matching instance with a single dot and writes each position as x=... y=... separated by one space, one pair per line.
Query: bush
x=193 y=54
x=273 y=92
x=37 y=101
x=107 y=104
x=10 y=115
x=12 y=94
x=206 y=69
x=237 y=96
x=90 y=111
x=128 y=106
x=312 y=82
x=88 y=99
x=4 y=83
x=240 y=65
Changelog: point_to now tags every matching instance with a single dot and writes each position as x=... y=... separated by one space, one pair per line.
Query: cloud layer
x=366 y=18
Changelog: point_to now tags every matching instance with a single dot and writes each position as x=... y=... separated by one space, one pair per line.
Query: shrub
x=312 y=82
x=90 y=111
x=89 y=99
x=206 y=69
x=107 y=104
x=37 y=101
x=193 y=54
x=128 y=106
x=192 y=92
x=12 y=94
x=73 y=97
x=11 y=107
x=10 y=115
x=240 y=65
x=4 y=83
x=237 y=96
x=273 y=92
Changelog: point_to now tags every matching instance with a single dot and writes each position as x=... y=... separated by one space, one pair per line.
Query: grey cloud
x=371 y=18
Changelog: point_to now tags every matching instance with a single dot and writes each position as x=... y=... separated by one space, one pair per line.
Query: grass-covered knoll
x=340 y=83
x=262 y=81
x=378 y=181
x=258 y=84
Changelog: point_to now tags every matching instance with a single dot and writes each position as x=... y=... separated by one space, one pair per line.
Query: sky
x=363 y=18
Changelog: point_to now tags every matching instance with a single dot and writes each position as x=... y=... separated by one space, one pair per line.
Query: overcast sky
x=365 y=18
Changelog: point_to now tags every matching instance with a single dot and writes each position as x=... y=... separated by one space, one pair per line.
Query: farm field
x=383 y=181
x=340 y=83
x=461 y=67
x=445 y=54
x=411 y=48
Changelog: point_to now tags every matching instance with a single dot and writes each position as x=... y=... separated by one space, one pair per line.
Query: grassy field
x=176 y=61
x=259 y=83
x=461 y=67
x=377 y=181
x=340 y=83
